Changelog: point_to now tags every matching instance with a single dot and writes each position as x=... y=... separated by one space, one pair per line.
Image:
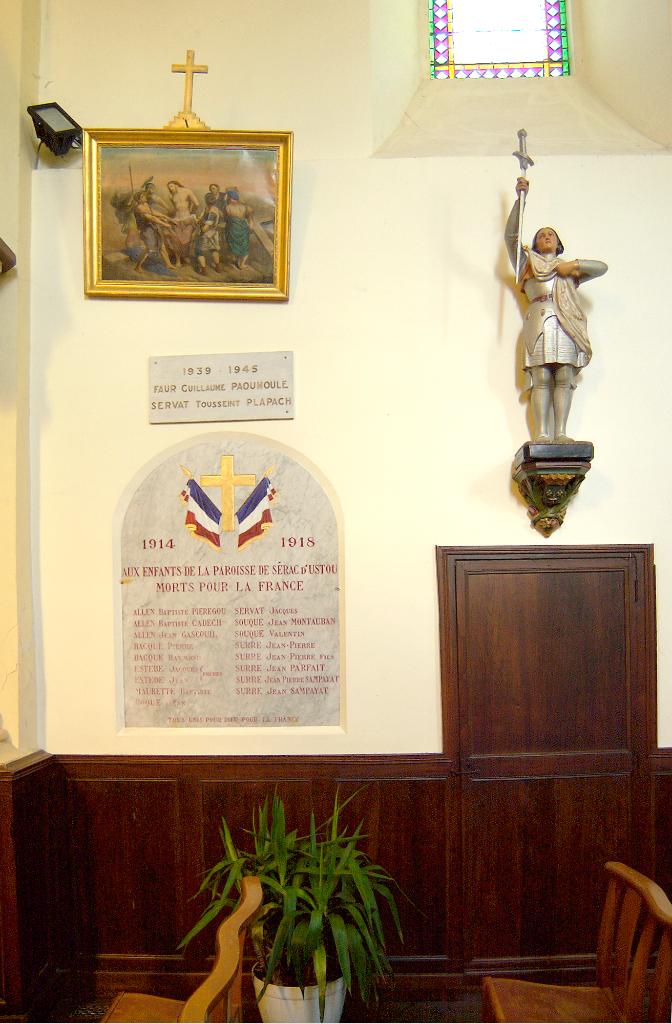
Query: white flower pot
x=284 y=1004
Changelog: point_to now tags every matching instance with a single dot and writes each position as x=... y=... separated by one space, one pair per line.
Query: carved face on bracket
x=553 y=494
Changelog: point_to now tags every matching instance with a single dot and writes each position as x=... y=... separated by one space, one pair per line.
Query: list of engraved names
x=279 y=652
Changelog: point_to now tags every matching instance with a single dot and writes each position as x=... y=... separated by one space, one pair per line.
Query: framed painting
x=187 y=214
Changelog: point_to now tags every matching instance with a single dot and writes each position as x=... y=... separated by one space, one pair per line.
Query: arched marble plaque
x=230 y=591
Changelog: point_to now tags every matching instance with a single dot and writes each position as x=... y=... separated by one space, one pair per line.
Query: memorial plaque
x=221 y=387
x=230 y=591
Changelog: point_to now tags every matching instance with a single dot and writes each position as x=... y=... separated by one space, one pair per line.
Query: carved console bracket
x=548 y=477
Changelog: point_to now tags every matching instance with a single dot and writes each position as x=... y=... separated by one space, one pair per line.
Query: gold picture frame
x=187 y=214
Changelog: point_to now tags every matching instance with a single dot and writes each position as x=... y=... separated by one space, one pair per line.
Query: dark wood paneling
x=516 y=630
x=661 y=766
x=141 y=830
x=535 y=871
x=153 y=824
x=10 y=964
x=35 y=926
x=408 y=830
x=127 y=871
x=548 y=669
x=526 y=638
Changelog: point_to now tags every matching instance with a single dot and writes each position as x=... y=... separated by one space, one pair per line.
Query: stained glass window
x=498 y=38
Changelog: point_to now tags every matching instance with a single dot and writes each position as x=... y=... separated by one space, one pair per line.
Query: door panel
x=549 y=685
x=533 y=868
x=547 y=649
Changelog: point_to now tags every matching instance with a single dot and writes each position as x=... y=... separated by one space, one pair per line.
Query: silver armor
x=555 y=341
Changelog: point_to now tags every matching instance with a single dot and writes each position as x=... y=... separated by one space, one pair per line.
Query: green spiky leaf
x=322 y=898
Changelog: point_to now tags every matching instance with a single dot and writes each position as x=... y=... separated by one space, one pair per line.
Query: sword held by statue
x=525 y=161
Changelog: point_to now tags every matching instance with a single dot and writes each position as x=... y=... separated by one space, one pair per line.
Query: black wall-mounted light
x=55 y=128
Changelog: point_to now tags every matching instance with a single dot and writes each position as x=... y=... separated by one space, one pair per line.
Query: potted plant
x=320 y=918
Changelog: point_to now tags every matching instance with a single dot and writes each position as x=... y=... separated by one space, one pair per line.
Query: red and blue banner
x=203 y=517
x=254 y=515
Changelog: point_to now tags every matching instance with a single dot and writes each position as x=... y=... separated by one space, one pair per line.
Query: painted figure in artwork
x=238 y=217
x=207 y=238
x=152 y=227
x=184 y=220
x=214 y=196
x=555 y=339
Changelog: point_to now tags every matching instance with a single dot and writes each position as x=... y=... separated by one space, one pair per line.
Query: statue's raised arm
x=555 y=339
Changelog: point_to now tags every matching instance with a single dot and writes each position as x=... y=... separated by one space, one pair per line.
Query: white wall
x=19 y=57
x=627 y=60
x=282 y=64
x=404 y=326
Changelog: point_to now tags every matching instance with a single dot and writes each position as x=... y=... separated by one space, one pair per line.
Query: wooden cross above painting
x=187 y=214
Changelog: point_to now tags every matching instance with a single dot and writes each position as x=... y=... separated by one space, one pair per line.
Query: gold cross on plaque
x=228 y=481
x=186 y=118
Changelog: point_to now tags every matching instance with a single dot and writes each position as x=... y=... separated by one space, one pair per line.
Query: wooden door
x=549 y=704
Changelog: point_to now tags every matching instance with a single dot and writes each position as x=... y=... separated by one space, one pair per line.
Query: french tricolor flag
x=254 y=515
x=203 y=517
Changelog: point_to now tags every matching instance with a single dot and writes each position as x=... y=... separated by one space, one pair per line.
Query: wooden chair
x=221 y=990
x=636 y=923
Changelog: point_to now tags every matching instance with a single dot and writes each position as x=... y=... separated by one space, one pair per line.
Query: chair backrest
x=636 y=925
x=222 y=988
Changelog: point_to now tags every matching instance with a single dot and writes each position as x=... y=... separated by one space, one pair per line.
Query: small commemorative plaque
x=215 y=388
